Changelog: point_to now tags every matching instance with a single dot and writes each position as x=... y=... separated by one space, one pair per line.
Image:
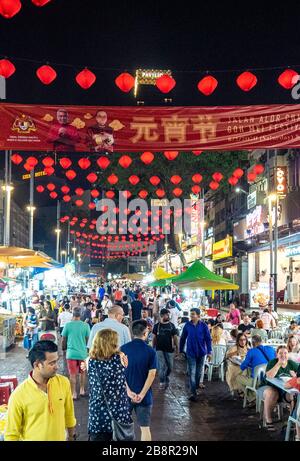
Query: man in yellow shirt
x=41 y=408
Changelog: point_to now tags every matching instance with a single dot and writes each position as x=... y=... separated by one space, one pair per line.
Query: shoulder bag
x=121 y=431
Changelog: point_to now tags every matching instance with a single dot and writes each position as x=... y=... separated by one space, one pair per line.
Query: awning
x=160 y=273
x=25 y=257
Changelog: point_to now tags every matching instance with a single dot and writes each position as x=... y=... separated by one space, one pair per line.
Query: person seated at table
x=217 y=336
x=293 y=348
x=219 y=319
x=210 y=323
x=295 y=383
x=254 y=317
x=293 y=328
x=233 y=369
x=268 y=320
x=233 y=334
x=259 y=330
x=279 y=367
x=246 y=326
x=233 y=316
x=258 y=355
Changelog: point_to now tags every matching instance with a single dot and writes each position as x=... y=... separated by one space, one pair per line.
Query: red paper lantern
x=147 y=158
x=233 y=180
x=258 y=169
x=113 y=179
x=165 y=83
x=238 y=173
x=66 y=198
x=51 y=186
x=53 y=195
x=49 y=170
x=79 y=202
x=207 y=85
x=246 y=81
x=177 y=192
x=197 y=178
x=171 y=155
x=288 y=78
x=40 y=189
x=155 y=180
x=196 y=189
x=217 y=176
x=126 y=194
x=16 y=159
x=214 y=185
x=28 y=167
x=197 y=152
x=85 y=79
x=125 y=161
x=134 y=180
x=46 y=74
x=92 y=206
x=143 y=193
x=84 y=163
x=48 y=162
x=251 y=177
x=110 y=194
x=95 y=193
x=125 y=82
x=65 y=189
x=32 y=161
x=65 y=163
x=103 y=162
x=40 y=2
x=176 y=179
x=71 y=174
x=9 y=8
x=160 y=193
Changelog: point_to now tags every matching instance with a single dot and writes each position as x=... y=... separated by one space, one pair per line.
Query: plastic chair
x=277 y=334
x=259 y=407
x=217 y=361
x=275 y=342
x=293 y=420
x=259 y=370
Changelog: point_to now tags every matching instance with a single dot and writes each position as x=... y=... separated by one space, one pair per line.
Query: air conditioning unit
x=293 y=292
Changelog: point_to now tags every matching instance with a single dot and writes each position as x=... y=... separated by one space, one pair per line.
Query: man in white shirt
x=268 y=320
x=113 y=322
x=65 y=317
x=174 y=312
x=273 y=313
x=106 y=305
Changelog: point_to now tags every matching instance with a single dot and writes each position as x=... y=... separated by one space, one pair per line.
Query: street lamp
x=8 y=188
x=63 y=253
x=31 y=209
x=273 y=200
x=239 y=189
x=58 y=231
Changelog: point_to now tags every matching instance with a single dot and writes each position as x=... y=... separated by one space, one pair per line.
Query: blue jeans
x=195 y=366
x=165 y=365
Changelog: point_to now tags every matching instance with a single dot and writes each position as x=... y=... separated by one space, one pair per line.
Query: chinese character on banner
x=146 y=129
x=207 y=127
x=175 y=128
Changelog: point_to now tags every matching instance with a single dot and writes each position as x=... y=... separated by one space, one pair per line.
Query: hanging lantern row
x=246 y=81
x=9 y=8
x=254 y=172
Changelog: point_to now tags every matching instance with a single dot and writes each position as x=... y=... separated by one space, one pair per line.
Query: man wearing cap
x=196 y=334
x=165 y=341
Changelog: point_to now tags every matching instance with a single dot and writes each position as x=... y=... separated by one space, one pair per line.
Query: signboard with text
x=222 y=249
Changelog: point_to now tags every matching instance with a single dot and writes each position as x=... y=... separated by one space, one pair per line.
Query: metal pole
x=68 y=244
x=58 y=230
x=202 y=228
x=275 y=272
x=270 y=225
x=5 y=200
x=31 y=209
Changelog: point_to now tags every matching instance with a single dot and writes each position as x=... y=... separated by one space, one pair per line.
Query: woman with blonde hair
x=217 y=336
x=293 y=348
x=108 y=389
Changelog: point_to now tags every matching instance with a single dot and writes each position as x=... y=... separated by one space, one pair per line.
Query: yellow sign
x=281 y=181
x=36 y=175
x=222 y=249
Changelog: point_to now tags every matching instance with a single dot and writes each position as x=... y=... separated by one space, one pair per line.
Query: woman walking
x=107 y=386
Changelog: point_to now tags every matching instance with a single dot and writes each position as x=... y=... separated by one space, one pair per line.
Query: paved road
x=216 y=416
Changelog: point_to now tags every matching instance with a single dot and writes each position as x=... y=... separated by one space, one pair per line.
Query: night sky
x=110 y=37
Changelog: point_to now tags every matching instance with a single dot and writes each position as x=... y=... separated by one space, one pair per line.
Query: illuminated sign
x=292 y=251
x=254 y=222
x=36 y=175
x=281 y=181
x=208 y=246
x=251 y=200
x=222 y=249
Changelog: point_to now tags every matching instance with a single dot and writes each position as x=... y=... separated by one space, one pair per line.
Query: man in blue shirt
x=101 y=293
x=197 y=336
x=140 y=374
x=258 y=355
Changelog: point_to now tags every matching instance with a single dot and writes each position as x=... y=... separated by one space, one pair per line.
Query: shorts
x=74 y=366
x=143 y=414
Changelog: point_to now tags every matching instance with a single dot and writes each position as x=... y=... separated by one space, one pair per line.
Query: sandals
x=201 y=386
x=270 y=427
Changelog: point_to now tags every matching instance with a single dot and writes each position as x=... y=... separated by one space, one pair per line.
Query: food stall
x=7 y=329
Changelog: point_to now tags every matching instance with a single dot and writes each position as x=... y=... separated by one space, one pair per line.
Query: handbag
x=121 y=431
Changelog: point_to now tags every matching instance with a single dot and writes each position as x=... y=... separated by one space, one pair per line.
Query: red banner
x=136 y=129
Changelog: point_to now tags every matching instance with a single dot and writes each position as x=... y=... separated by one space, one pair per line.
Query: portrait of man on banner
x=100 y=137
x=63 y=135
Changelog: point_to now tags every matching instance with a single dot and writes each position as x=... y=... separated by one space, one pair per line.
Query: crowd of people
x=116 y=339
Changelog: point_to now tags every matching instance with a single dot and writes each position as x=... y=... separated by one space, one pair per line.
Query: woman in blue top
x=106 y=374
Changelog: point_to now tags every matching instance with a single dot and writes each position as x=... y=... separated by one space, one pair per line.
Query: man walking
x=140 y=374
x=135 y=311
x=196 y=334
x=165 y=341
x=41 y=408
x=114 y=322
x=74 y=340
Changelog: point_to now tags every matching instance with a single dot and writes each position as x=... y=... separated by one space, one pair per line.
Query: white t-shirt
x=64 y=318
x=174 y=315
x=106 y=304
